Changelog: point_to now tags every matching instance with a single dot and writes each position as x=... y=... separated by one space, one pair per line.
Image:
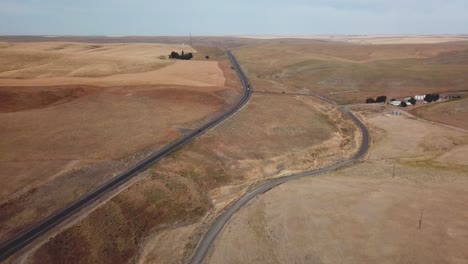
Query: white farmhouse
x=420 y=97
x=396 y=103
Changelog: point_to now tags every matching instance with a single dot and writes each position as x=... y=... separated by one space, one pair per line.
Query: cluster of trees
x=183 y=56
x=431 y=97
x=380 y=99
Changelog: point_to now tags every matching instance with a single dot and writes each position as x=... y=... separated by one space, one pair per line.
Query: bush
x=403 y=104
x=381 y=99
x=207 y=57
x=412 y=101
x=393 y=99
x=370 y=101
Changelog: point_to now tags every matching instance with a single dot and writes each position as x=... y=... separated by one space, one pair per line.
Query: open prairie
x=367 y=213
x=66 y=131
x=349 y=73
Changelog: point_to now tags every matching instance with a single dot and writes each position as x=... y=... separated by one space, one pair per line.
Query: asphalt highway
x=210 y=236
x=24 y=238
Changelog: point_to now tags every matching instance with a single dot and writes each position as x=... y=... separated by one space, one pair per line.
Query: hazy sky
x=217 y=17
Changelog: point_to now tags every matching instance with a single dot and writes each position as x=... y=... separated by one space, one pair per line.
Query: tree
x=429 y=98
x=412 y=101
x=186 y=56
x=207 y=57
x=393 y=99
x=174 y=55
x=370 y=101
x=381 y=99
x=435 y=97
x=403 y=104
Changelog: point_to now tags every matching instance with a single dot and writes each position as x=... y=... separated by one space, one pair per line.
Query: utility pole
x=420 y=219
x=191 y=38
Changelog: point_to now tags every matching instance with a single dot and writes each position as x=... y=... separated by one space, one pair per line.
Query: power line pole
x=420 y=219
x=191 y=38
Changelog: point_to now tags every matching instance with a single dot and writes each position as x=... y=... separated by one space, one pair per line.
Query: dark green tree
x=381 y=99
x=429 y=98
x=174 y=55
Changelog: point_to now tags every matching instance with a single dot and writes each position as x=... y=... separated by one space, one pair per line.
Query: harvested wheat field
x=42 y=64
x=66 y=135
x=172 y=203
x=350 y=73
x=367 y=213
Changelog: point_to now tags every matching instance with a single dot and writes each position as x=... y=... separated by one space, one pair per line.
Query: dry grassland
x=272 y=135
x=350 y=73
x=45 y=64
x=373 y=39
x=367 y=213
x=454 y=113
x=62 y=141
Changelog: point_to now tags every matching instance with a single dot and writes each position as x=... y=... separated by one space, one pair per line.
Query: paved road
x=24 y=238
x=210 y=236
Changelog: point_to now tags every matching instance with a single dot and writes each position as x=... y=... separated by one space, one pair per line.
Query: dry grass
x=39 y=60
x=62 y=141
x=350 y=73
x=454 y=113
x=101 y=131
x=103 y=64
x=373 y=39
x=368 y=213
x=260 y=141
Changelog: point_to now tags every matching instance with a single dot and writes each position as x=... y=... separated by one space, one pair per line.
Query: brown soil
x=14 y=99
